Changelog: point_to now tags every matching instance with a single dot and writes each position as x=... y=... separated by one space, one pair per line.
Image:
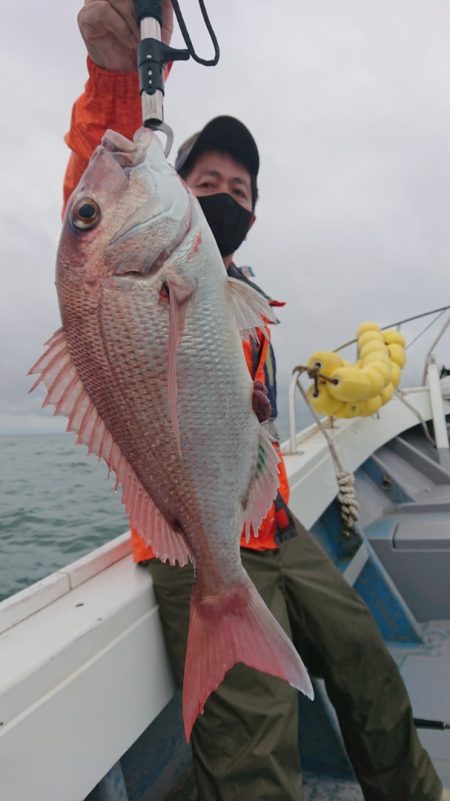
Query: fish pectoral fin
x=264 y=486
x=234 y=626
x=65 y=391
x=251 y=309
x=179 y=292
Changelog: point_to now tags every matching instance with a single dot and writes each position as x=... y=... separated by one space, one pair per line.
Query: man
x=245 y=746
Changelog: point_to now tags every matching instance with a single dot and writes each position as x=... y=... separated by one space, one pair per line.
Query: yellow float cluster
x=359 y=390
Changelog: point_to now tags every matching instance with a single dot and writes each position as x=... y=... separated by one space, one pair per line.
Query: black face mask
x=228 y=220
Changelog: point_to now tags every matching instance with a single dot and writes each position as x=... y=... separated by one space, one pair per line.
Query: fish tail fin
x=234 y=626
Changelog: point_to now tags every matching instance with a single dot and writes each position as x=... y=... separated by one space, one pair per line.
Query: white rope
x=346 y=496
x=401 y=396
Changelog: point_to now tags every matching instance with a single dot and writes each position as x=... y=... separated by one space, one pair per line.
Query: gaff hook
x=152 y=57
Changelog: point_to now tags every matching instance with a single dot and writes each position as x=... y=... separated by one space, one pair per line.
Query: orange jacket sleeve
x=110 y=100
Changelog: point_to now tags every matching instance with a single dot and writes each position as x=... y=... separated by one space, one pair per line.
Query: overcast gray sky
x=350 y=105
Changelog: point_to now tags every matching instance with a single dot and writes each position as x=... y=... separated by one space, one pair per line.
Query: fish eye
x=86 y=214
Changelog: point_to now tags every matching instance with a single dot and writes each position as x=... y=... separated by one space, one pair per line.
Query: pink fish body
x=149 y=368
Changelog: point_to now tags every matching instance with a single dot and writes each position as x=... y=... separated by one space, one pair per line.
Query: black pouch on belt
x=285 y=526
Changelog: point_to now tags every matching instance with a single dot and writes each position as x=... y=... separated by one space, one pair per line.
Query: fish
x=149 y=369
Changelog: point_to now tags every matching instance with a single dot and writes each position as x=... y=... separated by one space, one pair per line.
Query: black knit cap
x=225 y=134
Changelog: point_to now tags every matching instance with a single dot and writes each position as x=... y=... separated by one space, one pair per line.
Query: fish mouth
x=144 y=271
x=111 y=166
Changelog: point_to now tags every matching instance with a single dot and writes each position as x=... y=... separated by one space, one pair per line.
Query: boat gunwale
x=37 y=596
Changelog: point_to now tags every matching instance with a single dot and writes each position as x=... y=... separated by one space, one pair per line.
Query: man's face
x=214 y=173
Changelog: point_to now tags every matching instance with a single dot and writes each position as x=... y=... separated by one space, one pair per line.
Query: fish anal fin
x=234 y=626
x=251 y=309
x=67 y=394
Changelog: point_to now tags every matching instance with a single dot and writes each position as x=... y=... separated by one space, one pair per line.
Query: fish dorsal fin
x=264 y=486
x=66 y=393
x=252 y=310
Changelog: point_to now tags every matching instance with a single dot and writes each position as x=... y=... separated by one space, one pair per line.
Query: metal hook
x=155 y=125
x=167 y=130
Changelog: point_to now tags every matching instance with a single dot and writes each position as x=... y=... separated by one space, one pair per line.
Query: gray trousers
x=245 y=745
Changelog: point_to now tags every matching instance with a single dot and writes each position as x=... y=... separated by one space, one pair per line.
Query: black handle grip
x=423 y=723
x=148 y=8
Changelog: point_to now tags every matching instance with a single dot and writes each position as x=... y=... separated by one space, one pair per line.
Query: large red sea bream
x=149 y=368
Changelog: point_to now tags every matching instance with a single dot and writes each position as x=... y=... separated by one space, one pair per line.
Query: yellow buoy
x=395 y=374
x=368 y=326
x=376 y=378
x=353 y=384
x=397 y=354
x=323 y=402
x=325 y=360
x=354 y=409
x=372 y=346
x=393 y=337
x=370 y=336
x=381 y=355
x=383 y=368
x=363 y=387
x=378 y=357
x=387 y=393
x=372 y=405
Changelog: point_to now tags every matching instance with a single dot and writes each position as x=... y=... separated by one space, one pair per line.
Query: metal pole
x=430 y=350
x=292 y=431
x=437 y=408
x=152 y=104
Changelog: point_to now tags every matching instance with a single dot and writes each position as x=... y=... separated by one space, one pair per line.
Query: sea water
x=56 y=504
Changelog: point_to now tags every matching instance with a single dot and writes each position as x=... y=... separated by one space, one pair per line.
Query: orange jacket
x=111 y=100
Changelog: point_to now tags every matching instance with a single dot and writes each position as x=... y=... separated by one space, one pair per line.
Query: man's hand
x=111 y=34
x=260 y=402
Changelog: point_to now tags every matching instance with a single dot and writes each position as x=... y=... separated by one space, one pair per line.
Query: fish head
x=129 y=211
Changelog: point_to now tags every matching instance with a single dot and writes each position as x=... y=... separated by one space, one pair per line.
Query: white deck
x=82 y=663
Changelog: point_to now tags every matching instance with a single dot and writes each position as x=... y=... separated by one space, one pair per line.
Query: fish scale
x=159 y=434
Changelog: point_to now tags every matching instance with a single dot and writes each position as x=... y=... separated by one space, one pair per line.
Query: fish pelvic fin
x=65 y=391
x=234 y=626
x=251 y=309
x=264 y=486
